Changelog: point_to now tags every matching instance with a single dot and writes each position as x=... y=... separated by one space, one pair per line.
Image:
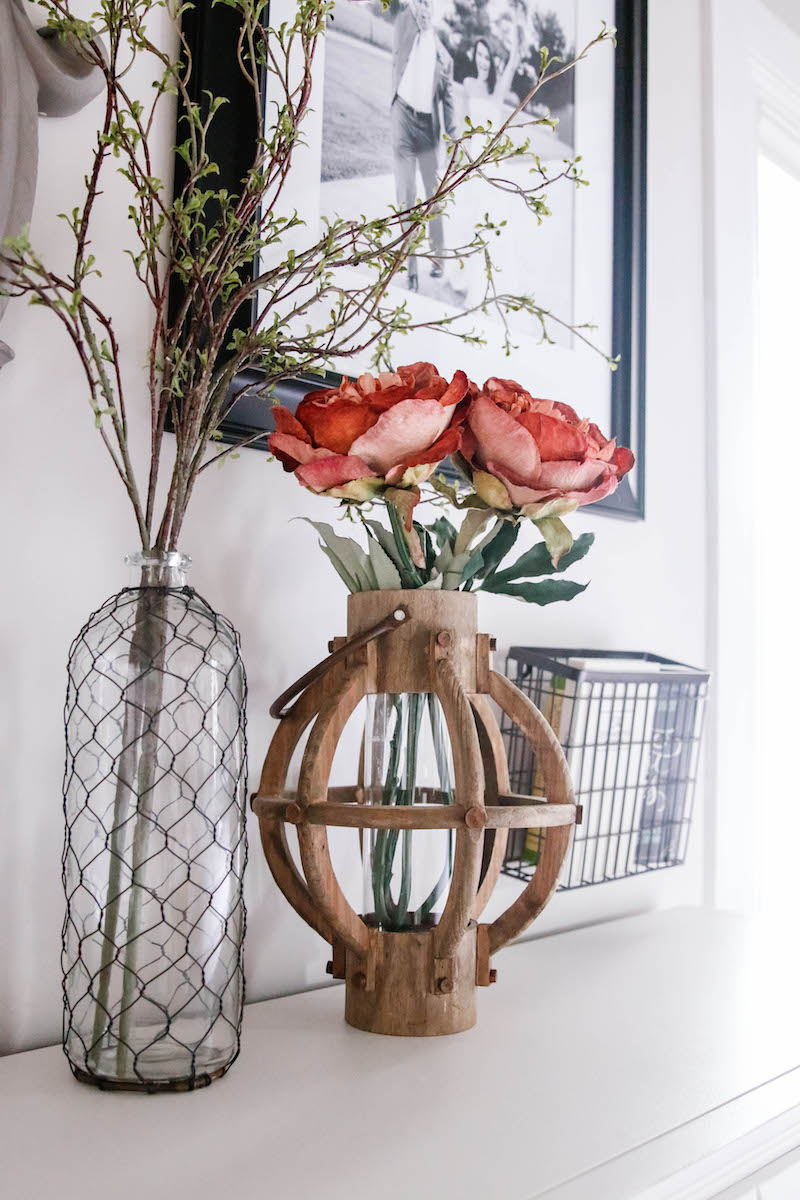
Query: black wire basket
x=630 y=724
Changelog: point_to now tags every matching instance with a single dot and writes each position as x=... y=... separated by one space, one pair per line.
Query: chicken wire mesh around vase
x=155 y=849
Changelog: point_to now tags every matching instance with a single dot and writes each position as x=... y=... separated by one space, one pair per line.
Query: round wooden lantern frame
x=413 y=983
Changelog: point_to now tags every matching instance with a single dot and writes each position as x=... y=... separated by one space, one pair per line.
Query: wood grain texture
x=368 y=816
x=312 y=788
x=549 y=754
x=416 y=816
x=272 y=831
x=495 y=771
x=402 y=658
x=483 y=662
x=483 y=962
x=531 y=816
x=468 y=766
x=413 y=994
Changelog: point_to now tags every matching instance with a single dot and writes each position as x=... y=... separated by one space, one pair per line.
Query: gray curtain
x=38 y=74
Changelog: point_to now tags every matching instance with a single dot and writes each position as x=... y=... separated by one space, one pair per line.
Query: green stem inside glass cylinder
x=399 y=721
x=136 y=774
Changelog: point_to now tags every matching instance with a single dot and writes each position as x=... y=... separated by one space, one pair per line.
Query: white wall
x=65 y=529
x=786 y=10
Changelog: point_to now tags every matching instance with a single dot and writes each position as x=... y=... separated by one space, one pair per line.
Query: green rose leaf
x=498 y=548
x=546 y=591
x=476 y=561
x=537 y=560
x=471 y=526
x=350 y=561
x=387 y=576
x=444 y=532
x=387 y=542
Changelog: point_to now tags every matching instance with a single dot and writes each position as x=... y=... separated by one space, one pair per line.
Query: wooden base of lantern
x=407 y=991
x=414 y=983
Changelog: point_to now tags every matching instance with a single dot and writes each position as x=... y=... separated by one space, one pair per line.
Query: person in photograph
x=422 y=106
x=485 y=87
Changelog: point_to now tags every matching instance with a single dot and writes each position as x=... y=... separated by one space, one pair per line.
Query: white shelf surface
x=640 y=1058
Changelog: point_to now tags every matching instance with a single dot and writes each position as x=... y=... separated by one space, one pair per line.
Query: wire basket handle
x=392 y=621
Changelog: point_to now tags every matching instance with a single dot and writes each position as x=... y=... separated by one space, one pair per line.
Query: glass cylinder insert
x=155 y=849
x=407 y=760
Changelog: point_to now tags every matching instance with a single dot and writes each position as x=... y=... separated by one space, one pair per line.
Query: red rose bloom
x=537 y=455
x=389 y=430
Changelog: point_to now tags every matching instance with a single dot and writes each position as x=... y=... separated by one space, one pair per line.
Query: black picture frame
x=210 y=30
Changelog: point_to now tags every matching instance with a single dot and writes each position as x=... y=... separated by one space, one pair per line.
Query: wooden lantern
x=417 y=982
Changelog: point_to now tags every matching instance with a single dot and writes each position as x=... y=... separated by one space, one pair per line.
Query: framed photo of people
x=389 y=84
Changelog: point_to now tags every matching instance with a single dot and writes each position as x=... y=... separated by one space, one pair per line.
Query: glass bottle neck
x=156 y=569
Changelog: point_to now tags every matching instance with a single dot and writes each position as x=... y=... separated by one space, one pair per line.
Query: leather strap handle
x=278 y=708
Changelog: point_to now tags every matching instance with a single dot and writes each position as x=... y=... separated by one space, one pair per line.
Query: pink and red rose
x=389 y=430
x=537 y=455
x=386 y=434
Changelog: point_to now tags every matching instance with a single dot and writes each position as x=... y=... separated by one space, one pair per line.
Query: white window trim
x=752 y=101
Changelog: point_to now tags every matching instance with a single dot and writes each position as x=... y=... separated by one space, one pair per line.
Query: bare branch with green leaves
x=202 y=242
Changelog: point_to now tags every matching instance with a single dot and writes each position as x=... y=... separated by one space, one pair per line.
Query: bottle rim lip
x=151 y=558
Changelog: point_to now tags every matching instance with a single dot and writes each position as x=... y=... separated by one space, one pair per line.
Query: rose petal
x=469 y=443
x=596 y=435
x=366 y=383
x=385 y=398
x=320 y=396
x=518 y=493
x=448 y=443
x=335 y=421
x=524 y=496
x=287 y=422
x=332 y=471
x=502 y=439
x=346 y=390
x=508 y=393
x=456 y=390
x=602 y=490
x=605 y=452
x=557 y=439
x=290 y=451
x=623 y=460
x=418 y=374
x=433 y=391
x=567 y=412
x=568 y=476
x=405 y=430
x=548 y=407
x=369 y=385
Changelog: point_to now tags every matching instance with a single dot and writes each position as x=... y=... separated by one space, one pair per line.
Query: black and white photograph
x=399 y=81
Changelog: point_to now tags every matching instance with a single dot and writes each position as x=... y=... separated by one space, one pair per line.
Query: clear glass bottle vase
x=154 y=851
x=407 y=760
